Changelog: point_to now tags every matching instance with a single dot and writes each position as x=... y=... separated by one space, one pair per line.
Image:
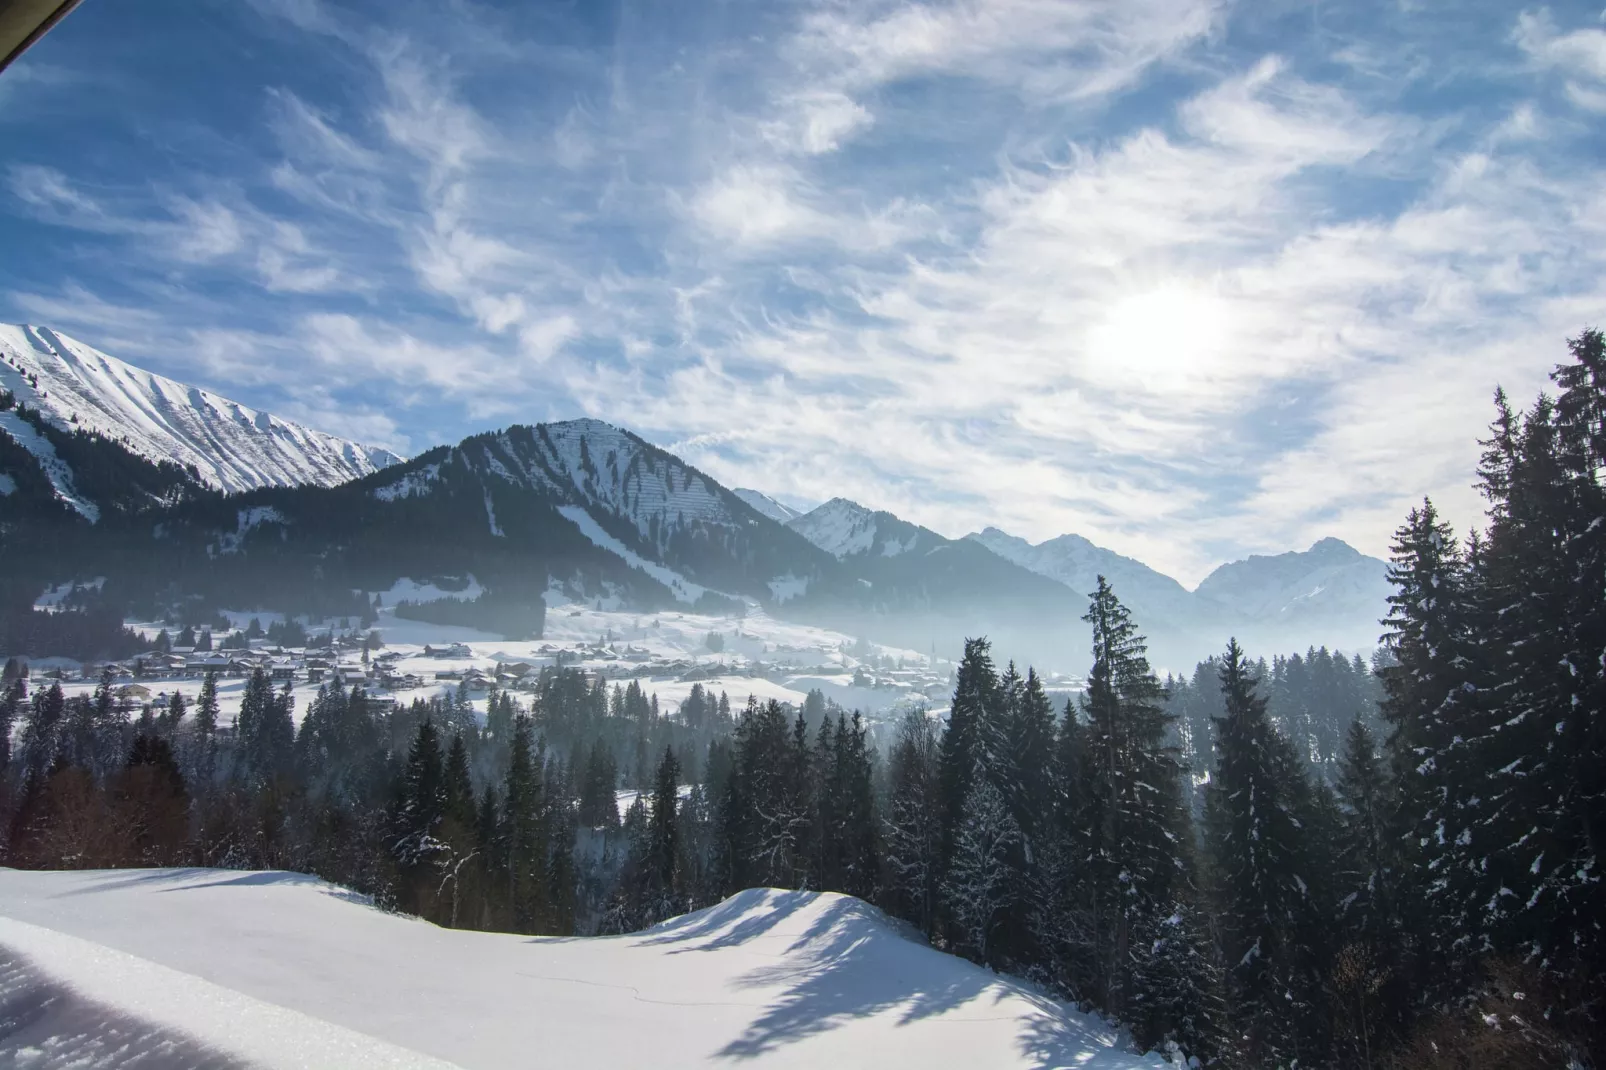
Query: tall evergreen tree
x=525 y=835
x=11 y=699
x=914 y=821
x=202 y=764
x=41 y=738
x=422 y=805
x=663 y=843
x=1425 y=704
x=978 y=887
x=1254 y=837
x=1371 y=989
x=974 y=709
x=1134 y=818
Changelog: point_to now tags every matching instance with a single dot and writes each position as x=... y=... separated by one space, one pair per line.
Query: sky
x=1191 y=278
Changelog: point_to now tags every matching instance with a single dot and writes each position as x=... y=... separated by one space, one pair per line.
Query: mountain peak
x=842 y=505
x=1334 y=548
x=586 y=425
x=840 y=527
x=77 y=387
x=762 y=503
x=1077 y=563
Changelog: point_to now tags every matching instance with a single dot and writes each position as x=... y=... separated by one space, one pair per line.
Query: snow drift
x=222 y=968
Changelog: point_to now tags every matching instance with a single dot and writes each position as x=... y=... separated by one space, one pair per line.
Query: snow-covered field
x=220 y=969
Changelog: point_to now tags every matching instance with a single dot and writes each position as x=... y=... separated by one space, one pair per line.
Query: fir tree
x=525 y=835
x=914 y=821
x=173 y=717
x=1254 y=833
x=1424 y=707
x=663 y=847
x=599 y=806
x=1134 y=817
x=975 y=707
x=202 y=763
x=41 y=739
x=978 y=886
x=11 y=699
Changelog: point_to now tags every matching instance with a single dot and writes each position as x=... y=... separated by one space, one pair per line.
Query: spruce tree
x=1425 y=703
x=525 y=833
x=1134 y=817
x=914 y=821
x=421 y=806
x=979 y=888
x=1371 y=987
x=40 y=741
x=11 y=699
x=663 y=844
x=858 y=836
x=173 y=717
x=975 y=704
x=1026 y=777
x=1254 y=837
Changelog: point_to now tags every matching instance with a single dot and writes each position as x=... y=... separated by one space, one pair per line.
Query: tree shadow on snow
x=1057 y=1041
x=45 y=1023
x=192 y=879
x=842 y=969
x=850 y=964
x=707 y=925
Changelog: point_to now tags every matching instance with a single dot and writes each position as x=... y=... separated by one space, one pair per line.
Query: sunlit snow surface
x=232 y=447
x=276 y=969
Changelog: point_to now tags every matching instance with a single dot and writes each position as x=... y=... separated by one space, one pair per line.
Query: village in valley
x=396 y=661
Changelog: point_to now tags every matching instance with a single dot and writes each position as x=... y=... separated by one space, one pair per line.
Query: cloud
x=1179 y=276
x=1044 y=49
x=1579 y=56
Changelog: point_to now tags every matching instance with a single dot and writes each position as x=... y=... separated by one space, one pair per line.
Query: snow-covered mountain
x=196 y=967
x=1332 y=585
x=843 y=528
x=1078 y=563
x=776 y=511
x=1329 y=595
x=230 y=446
x=658 y=515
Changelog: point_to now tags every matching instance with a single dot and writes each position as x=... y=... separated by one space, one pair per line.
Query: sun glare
x=1164 y=339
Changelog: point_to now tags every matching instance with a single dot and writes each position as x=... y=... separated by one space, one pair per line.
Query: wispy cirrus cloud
x=1191 y=278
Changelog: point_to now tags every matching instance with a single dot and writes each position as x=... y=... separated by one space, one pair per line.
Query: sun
x=1165 y=339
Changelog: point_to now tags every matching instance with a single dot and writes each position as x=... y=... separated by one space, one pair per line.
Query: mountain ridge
x=231 y=447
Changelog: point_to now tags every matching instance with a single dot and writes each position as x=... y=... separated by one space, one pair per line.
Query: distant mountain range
x=175 y=493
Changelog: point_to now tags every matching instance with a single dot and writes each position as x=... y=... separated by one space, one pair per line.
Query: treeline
x=1313 y=699
x=91 y=633
x=516 y=615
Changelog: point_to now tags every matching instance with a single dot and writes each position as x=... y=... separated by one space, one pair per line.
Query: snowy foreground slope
x=234 y=448
x=223 y=968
